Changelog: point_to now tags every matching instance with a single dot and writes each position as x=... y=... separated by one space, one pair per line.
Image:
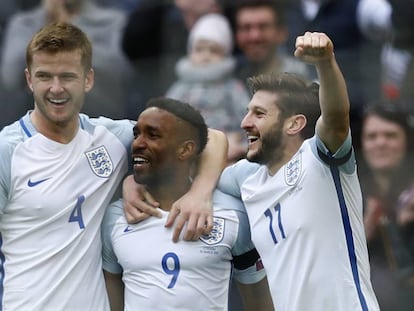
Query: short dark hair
x=277 y=6
x=391 y=111
x=296 y=96
x=185 y=112
x=60 y=37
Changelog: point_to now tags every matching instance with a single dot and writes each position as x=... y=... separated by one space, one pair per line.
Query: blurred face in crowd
x=257 y=33
x=59 y=82
x=384 y=143
x=69 y=5
x=206 y=52
x=191 y=10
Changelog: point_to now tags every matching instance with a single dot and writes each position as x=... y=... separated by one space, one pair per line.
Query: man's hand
x=190 y=209
x=314 y=47
x=138 y=202
x=196 y=212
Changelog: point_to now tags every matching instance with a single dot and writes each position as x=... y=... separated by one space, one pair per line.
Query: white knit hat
x=213 y=27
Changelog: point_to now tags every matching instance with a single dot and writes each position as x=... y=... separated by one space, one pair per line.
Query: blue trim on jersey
x=26 y=130
x=348 y=235
x=24 y=127
x=2 y=259
x=81 y=123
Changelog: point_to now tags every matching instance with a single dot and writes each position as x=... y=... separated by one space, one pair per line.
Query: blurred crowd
x=202 y=51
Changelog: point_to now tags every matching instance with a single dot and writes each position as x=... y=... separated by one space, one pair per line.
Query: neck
x=288 y=151
x=60 y=132
x=166 y=194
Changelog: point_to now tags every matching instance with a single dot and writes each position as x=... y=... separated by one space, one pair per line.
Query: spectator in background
x=102 y=25
x=403 y=39
x=9 y=110
x=387 y=24
x=261 y=34
x=127 y=5
x=155 y=37
x=206 y=80
x=385 y=170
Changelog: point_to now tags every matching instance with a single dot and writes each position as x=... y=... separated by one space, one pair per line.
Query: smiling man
x=143 y=267
x=58 y=172
x=260 y=34
x=301 y=188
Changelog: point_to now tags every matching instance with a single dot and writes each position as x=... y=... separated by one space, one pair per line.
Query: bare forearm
x=333 y=95
x=256 y=297
x=211 y=163
x=115 y=289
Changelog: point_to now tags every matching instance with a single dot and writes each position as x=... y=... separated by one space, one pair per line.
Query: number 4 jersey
x=162 y=275
x=52 y=200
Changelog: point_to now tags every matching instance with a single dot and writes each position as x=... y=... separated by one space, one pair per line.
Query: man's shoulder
x=113 y=212
x=10 y=136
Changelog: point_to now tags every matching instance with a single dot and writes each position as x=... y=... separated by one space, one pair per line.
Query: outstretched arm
x=333 y=125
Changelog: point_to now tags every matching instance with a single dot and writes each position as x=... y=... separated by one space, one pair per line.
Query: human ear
x=89 y=80
x=295 y=124
x=28 y=78
x=186 y=150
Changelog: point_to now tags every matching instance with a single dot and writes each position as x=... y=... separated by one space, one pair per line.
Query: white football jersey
x=306 y=223
x=162 y=275
x=52 y=201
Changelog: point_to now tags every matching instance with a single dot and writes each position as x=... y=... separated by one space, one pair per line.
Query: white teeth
x=57 y=101
x=140 y=160
x=252 y=138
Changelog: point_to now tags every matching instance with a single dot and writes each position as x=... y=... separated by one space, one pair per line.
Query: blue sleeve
x=120 y=128
x=247 y=263
x=109 y=259
x=233 y=177
x=225 y=201
x=246 y=260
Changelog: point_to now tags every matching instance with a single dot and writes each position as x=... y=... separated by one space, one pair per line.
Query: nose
x=205 y=56
x=139 y=142
x=246 y=122
x=56 y=86
x=254 y=33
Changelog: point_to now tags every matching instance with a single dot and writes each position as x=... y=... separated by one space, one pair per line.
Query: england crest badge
x=293 y=169
x=100 y=161
x=217 y=233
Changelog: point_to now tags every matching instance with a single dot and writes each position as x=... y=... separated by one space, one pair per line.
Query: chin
x=253 y=157
x=139 y=179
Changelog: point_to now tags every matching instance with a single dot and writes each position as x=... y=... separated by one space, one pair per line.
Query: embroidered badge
x=100 y=161
x=293 y=169
x=217 y=233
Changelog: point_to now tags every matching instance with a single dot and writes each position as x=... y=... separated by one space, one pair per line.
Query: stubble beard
x=271 y=150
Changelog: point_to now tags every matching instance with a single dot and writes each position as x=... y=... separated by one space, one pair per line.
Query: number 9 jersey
x=189 y=275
